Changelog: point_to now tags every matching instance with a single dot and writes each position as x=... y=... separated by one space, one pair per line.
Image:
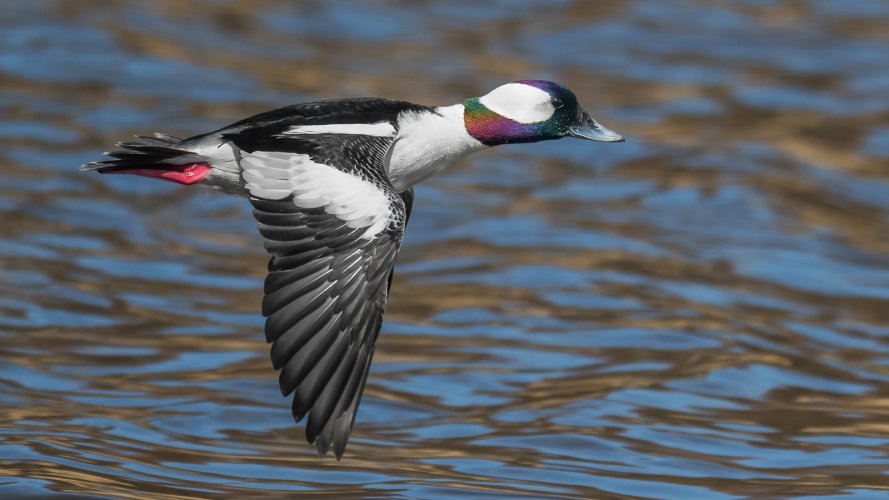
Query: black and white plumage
x=331 y=187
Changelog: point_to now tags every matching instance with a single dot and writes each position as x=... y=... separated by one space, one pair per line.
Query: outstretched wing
x=333 y=228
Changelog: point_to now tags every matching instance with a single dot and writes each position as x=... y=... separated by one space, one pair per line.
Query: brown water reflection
x=701 y=312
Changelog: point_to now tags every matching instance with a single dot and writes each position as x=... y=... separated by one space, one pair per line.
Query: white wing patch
x=519 y=102
x=380 y=129
x=357 y=202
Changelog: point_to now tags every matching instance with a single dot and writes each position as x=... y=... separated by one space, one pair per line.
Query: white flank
x=275 y=176
x=427 y=143
x=221 y=156
x=519 y=102
x=380 y=129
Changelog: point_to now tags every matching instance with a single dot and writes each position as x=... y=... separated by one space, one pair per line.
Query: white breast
x=357 y=202
x=428 y=142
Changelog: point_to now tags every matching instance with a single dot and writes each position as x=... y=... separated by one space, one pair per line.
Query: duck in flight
x=331 y=184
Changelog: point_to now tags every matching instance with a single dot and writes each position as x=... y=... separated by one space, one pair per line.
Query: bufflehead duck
x=331 y=184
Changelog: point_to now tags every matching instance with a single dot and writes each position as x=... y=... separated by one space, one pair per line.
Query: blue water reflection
x=700 y=312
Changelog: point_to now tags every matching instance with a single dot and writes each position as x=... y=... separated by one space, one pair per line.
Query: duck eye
x=557 y=103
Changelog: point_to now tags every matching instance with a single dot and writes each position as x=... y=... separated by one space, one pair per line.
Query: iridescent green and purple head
x=530 y=111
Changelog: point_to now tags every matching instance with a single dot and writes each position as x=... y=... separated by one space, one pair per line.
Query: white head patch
x=519 y=102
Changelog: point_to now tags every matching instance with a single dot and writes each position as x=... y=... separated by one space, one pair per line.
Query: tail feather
x=149 y=152
x=157 y=157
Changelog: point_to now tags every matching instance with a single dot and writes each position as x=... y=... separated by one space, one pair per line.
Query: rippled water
x=702 y=312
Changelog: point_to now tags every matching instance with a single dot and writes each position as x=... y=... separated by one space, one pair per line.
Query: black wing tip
x=322 y=452
x=330 y=439
x=322 y=446
x=284 y=386
x=338 y=452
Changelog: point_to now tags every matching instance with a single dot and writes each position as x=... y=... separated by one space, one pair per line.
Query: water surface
x=701 y=312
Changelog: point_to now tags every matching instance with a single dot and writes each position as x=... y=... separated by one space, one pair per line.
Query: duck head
x=531 y=111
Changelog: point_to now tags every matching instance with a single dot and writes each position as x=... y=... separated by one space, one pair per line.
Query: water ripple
x=700 y=312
